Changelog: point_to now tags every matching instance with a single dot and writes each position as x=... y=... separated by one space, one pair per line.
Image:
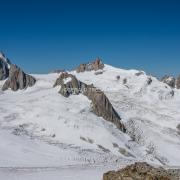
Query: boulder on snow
x=169 y=80
x=4 y=67
x=141 y=171
x=18 y=79
x=95 y=65
x=101 y=105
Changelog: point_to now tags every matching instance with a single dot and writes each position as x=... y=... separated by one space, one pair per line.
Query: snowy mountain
x=42 y=128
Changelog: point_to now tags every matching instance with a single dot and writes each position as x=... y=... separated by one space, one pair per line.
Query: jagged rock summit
x=101 y=105
x=16 y=78
x=95 y=65
x=4 y=66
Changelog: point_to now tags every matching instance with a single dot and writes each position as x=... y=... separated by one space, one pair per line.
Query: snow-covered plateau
x=44 y=135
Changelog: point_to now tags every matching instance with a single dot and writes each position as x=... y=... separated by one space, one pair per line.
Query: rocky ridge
x=15 y=76
x=95 y=65
x=101 y=105
x=18 y=79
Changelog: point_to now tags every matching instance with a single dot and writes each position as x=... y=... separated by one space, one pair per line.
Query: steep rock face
x=141 y=171
x=4 y=67
x=95 y=65
x=101 y=105
x=18 y=79
x=169 y=80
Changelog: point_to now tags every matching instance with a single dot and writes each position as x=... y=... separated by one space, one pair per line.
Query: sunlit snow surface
x=54 y=136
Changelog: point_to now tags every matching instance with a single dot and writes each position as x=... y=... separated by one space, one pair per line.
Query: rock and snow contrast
x=4 y=67
x=48 y=131
x=16 y=78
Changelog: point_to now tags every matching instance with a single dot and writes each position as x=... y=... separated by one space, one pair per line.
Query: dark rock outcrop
x=169 y=80
x=141 y=171
x=139 y=73
x=101 y=105
x=95 y=65
x=18 y=79
x=178 y=82
x=4 y=69
x=149 y=80
x=69 y=84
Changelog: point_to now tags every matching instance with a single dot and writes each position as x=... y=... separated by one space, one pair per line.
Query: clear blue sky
x=41 y=35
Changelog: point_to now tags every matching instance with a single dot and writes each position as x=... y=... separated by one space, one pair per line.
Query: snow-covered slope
x=41 y=113
x=150 y=110
x=39 y=127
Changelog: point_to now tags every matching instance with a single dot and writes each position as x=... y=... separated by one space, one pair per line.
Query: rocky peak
x=101 y=105
x=94 y=65
x=18 y=79
x=4 y=66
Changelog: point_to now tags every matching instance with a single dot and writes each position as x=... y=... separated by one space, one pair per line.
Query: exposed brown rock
x=169 y=80
x=141 y=171
x=95 y=65
x=71 y=87
x=101 y=105
x=178 y=82
x=18 y=79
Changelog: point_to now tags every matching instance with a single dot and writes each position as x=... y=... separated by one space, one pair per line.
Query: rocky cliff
x=18 y=79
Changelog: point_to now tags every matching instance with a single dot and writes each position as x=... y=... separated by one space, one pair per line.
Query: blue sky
x=44 y=35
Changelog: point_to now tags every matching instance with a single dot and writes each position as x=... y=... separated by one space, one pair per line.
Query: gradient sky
x=42 y=35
